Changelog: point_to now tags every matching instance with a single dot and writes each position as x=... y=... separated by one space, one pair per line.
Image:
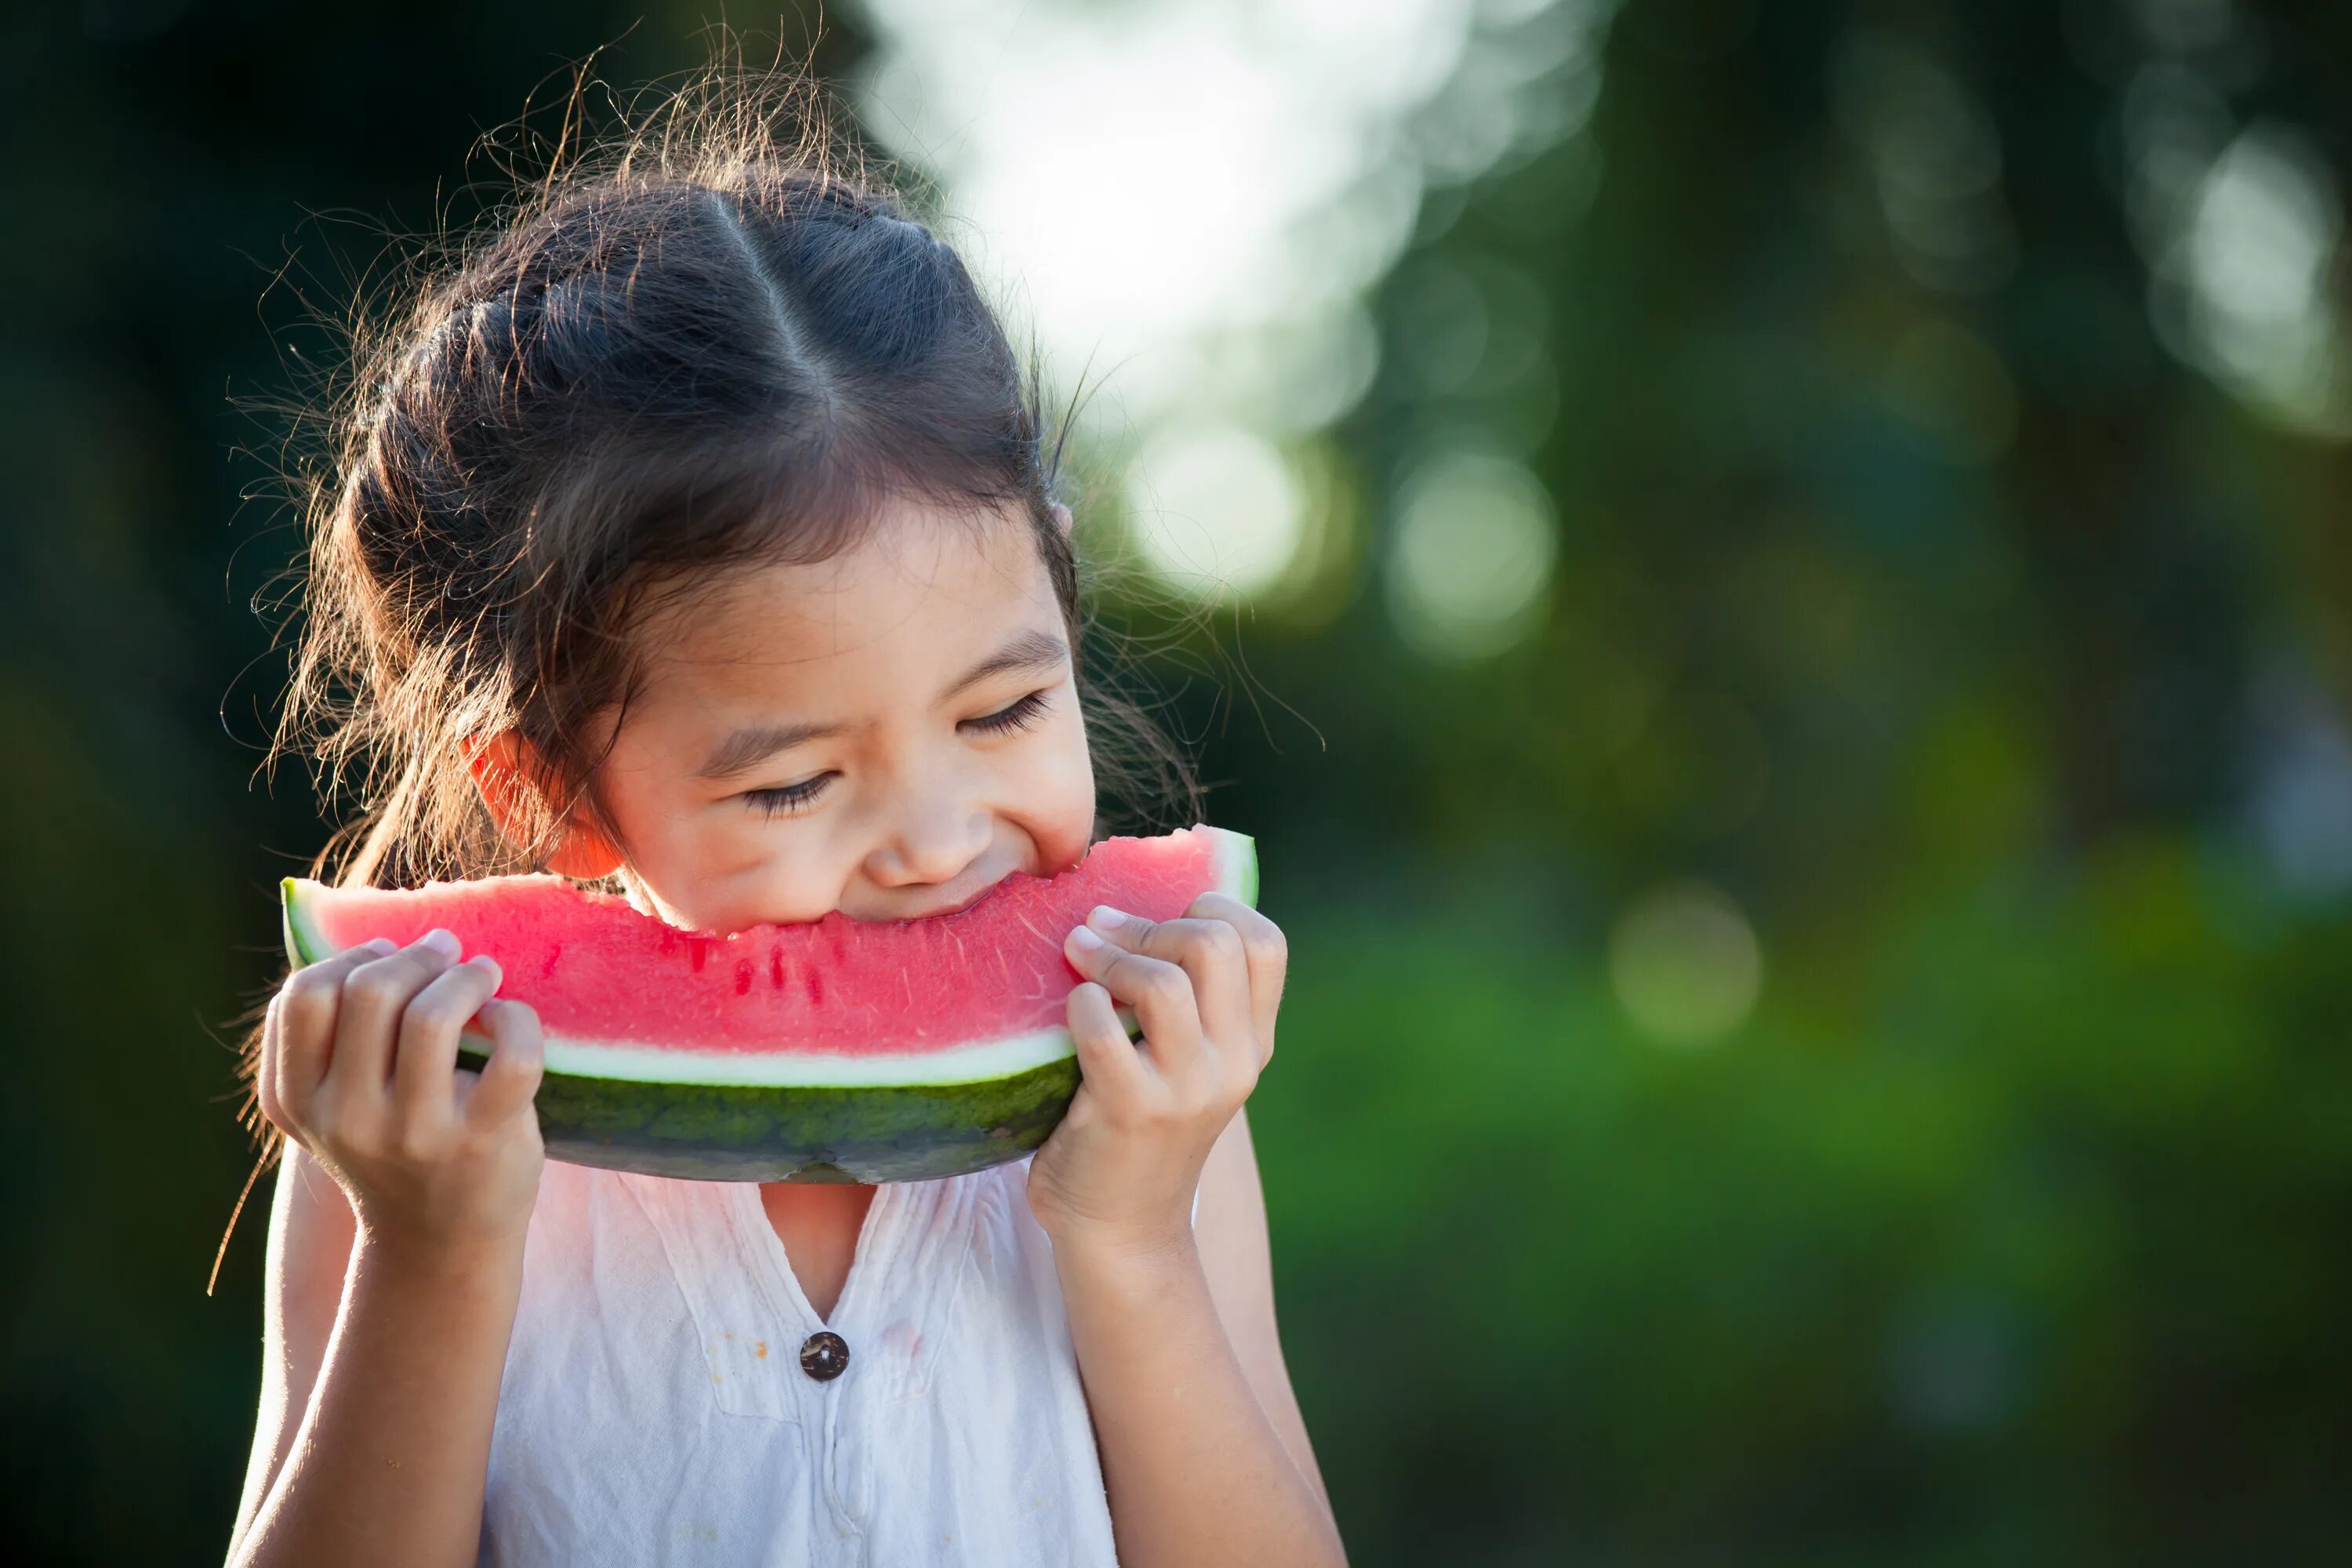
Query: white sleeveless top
x=655 y=1409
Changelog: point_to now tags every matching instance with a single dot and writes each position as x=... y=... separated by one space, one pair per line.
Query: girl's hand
x=359 y=1066
x=1124 y=1164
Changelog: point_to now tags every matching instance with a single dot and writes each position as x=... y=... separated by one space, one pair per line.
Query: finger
x=1160 y=994
x=1208 y=951
x=1107 y=1059
x=510 y=1078
x=307 y=1008
x=375 y=996
x=423 y=1085
x=1269 y=958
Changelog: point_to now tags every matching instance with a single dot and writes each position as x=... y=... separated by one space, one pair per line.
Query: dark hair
x=680 y=350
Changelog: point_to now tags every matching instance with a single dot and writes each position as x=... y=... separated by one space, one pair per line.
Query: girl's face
x=886 y=734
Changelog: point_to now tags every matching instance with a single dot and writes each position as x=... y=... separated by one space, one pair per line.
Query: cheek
x=702 y=863
x=630 y=809
x=1055 y=801
x=723 y=870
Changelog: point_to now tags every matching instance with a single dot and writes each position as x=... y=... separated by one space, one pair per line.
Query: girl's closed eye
x=786 y=799
x=1019 y=715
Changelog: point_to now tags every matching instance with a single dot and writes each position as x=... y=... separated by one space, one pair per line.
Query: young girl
x=696 y=531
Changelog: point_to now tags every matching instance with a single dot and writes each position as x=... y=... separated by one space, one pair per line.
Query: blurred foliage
x=1972 y=644
x=2036 y=1255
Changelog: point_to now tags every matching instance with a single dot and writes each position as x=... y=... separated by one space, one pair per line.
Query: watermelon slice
x=832 y=1051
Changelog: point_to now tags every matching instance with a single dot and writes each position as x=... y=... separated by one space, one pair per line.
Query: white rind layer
x=1236 y=863
x=978 y=1063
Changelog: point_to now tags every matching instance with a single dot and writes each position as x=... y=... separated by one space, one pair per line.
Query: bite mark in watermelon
x=838 y=1050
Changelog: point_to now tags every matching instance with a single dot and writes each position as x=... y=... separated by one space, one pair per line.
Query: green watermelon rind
x=720 y=1133
x=751 y=1132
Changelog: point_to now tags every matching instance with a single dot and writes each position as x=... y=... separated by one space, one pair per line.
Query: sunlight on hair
x=1216 y=509
x=1685 y=963
x=1196 y=199
x=1469 y=567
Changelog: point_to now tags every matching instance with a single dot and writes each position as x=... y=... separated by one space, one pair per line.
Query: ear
x=505 y=772
x=1061 y=517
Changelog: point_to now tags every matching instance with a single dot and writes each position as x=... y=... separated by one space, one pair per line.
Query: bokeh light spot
x=2258 y=253
x=1193 y=204
x=1215 y=508
x=1685 y=963
x=1469 y=570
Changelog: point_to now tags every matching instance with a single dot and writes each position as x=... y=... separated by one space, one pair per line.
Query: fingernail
x=485 y=962
x=1104 y=918
x=444 y=943
x=380 y=945
x=1084 y=940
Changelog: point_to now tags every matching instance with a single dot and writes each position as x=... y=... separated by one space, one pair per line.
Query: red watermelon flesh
x=624 y=995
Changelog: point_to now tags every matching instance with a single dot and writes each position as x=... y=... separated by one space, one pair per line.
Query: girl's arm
x=392 y=1299
x=1204 y=1456
x=302 y=1293
x=1238 y=1257
x=1204 y=1453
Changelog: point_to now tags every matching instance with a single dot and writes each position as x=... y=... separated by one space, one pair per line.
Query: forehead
x=916 y=601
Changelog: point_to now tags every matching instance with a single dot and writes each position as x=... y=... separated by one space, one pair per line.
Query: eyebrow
x=1024 y=650
x=755 y=743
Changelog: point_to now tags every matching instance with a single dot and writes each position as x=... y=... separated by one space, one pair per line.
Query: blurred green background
x=1790 y=673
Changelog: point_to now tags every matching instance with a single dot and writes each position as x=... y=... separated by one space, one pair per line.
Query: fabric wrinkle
x=654 y=1409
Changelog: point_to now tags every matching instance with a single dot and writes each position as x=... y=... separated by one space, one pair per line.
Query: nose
x=930 y=843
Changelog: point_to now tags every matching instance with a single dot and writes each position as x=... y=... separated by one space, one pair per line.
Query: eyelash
x=1020 y=715
x=786 y=799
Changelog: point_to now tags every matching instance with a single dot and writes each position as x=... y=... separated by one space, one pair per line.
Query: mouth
x=952 y=899
x=933 y=912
